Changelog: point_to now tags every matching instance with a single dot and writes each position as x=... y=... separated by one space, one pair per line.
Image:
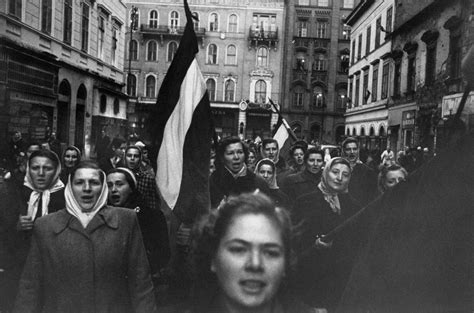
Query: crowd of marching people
x=83 y=235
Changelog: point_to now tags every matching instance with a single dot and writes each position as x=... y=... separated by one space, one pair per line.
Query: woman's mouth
x=252 y=286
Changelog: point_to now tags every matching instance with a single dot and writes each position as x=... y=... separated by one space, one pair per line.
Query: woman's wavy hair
x=382 y=177
x=223 y=145
x=212 y=228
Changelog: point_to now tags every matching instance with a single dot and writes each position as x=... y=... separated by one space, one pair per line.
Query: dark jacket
x=299 y=184
x=154 y=231
x=322 y=273
x=363 y=184
x=279 y=197
x=222 y=183
x=100 y=269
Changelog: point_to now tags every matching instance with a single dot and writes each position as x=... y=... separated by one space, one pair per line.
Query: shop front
x=401 y=126
x=225 y=121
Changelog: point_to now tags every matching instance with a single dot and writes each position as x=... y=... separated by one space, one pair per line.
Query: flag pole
x=288 y=128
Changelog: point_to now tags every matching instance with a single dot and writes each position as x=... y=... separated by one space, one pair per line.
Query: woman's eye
x=272 y=253
x=237 y=249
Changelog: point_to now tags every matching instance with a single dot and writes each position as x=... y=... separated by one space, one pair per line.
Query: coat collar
x=107 y=215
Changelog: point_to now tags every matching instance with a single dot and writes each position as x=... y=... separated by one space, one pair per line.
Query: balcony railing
x=169 y=30
x=320 y=76
x=299 y=75
x=258 y=36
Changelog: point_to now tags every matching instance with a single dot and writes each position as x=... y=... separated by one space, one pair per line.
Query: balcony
x=263 y=36
x=299 y=75
x=166 y=31
x=319 y=76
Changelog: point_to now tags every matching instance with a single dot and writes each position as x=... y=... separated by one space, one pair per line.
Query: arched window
x=150 y=86
x=116 y=106
x=382 y=131
x=196 y=21
x=298 y=96
x=260 y=91
x=354 y=132
x=315 y=132
x=319 y=97
x=362 y=131
x=134 y=50
x=174 y=20
x=153 y=20
x=231 y=55
x=152 y=50
x=172 y=47
x=213 y=22
x=262 y=57
x=348 y=132
x=229 y=90
x=233 y=25
x=103 y=103
x=341 y=98
x=132 y=85
x=211 y=88
x=319 y=62
x=212 y=54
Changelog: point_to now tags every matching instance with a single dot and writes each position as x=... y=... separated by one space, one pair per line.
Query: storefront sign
x=408 y=118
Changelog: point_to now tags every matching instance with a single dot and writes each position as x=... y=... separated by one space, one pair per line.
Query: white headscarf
x=56 y=184
x=273 y=184
x=331 y=195
x=73 y=208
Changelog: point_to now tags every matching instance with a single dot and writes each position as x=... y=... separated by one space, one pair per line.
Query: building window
x=353 y=51
x=298 y=96
x=348 y=4
x=385 y=71
x=133 y=50
x=231 y=55
x=350 y=87
x=14 y=8
x=212 y=54
x=319 y=100
x=430 y=64
x=152 y=50
x=153 y=20
x=262 y=57
x=233 y=25
x=357 y=91
x=172 y=48
x=116 y=106
x=229 y=90
x=211 y=88
x=132 y=85
x=397 y=76
x=150 y=86
x=367 y=40
x=113 y=51
x=85 y=27
x=411 y=73
x=103 y=104
x=260 y=91
x=67 y=19
x=302 y=27
x=346 y=32
x=323 y=3
x=46 y=16
x=303 y=2
x=341 y=98
x=378 y=24
x=375 y=82
x=359 y=48
x=319 y=62
x=455 y=56
x=196 y=21
x=213 y=22
x=322 y=28
x=101 y=37
x=344 y=66
x=174 y=20
x=366 y=92
x=388 y=22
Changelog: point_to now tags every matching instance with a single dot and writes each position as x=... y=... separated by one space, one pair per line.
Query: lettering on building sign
x=408 y=118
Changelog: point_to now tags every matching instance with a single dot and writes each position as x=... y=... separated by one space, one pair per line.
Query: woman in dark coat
x=232 y=176
x=71 y=157
x=87 y=258
x=266 y=169
x=123 y=193
x=324 y=268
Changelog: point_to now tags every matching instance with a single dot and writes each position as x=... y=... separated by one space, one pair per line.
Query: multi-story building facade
x=368 y=85
x=240 y=58
x=429 y=40
x=61 y=69
x=316 y=64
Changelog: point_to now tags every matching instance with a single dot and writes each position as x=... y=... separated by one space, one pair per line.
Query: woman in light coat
x=87 y=258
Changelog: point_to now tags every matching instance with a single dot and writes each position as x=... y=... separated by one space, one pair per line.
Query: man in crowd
x=117 y=159
x=363 y=183
x=308 y=179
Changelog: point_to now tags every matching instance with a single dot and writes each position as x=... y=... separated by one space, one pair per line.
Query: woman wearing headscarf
x=71 y=157
x=87 y=258
x=325 y=267
x=266 y=169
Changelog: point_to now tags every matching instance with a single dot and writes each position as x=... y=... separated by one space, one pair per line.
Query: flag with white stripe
x=182 y=130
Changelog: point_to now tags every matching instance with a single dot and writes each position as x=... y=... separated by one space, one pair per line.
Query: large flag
x=181 y=125
x=283 y=134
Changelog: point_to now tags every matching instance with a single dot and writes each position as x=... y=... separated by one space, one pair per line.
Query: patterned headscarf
x=331 y=195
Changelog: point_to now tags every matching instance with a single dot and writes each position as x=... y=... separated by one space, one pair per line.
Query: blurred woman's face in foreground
x=250 y=262
x=394 y=177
